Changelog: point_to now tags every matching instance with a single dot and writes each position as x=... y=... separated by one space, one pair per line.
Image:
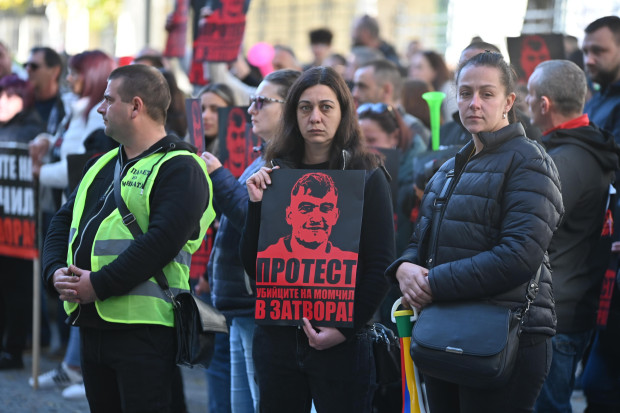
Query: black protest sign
x=308 y=247
x=237 y=143
x=528 y=50
x=18 y=214
x=219 y=39
x=193 y=111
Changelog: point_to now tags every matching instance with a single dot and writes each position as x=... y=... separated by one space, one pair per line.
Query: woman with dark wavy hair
x=332 y=367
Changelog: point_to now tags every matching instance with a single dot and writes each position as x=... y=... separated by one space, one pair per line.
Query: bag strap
x=132 y=225
x=438 y=207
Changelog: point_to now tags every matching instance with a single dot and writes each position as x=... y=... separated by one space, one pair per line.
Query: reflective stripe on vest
x=146 y=303
x=116 y=246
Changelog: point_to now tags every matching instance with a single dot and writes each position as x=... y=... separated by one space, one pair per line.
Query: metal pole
x=147 y=24
x=36 y=321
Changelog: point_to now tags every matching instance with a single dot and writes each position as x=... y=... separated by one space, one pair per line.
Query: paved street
x=16 y=395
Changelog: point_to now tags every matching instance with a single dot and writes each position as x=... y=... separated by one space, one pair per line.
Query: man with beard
x=601 y=54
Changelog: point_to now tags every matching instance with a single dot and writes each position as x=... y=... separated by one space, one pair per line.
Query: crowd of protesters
x=558 y=139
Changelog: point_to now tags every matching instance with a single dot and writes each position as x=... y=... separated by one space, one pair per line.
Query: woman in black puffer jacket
x=493 y=235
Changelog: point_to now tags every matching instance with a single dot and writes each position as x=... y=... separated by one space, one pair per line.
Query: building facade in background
x=123 y=27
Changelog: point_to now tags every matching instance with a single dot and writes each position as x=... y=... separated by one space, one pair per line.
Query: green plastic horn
x=434 y=99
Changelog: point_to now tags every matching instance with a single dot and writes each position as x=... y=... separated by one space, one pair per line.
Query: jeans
x=556 y=392
x=243 y=387
x=128 y=370
x=601 y=377
x=218 y=373
x=291 y=374
x=72 y=354
x=518 y=395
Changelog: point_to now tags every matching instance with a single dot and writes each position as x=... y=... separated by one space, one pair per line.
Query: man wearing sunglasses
x=380 y=81
x=44 y=67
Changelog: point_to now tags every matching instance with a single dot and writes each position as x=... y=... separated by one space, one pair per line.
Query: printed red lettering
x=259 y=312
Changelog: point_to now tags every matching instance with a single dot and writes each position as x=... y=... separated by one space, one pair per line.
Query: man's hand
x=325 y=338
x=257 y=183
x=64 y=283
x=413 y=283
x=73 y=284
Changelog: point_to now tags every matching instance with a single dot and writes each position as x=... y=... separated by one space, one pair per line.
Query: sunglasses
x=259 y=101
x=379 y=108
x=31 y=65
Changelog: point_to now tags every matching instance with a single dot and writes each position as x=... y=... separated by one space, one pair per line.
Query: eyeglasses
x=33 y=66
x=259 y=101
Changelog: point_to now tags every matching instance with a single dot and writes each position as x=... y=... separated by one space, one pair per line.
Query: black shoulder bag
x=470 y=343
x=195 y=321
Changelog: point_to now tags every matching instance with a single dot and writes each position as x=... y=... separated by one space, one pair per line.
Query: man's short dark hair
x=370 y=24
x=611 y=22
x=52 y=59
x=148 y=84
x=286 y=49
x=551 y=79
x=316 y=184
x=321 y=36
x=151 y=60
x=386 y=71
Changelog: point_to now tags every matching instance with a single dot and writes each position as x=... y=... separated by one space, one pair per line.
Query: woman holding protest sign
x=332 y=367
x=485 y=222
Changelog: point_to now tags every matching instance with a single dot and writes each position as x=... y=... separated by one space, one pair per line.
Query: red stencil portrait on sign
x=308 y=247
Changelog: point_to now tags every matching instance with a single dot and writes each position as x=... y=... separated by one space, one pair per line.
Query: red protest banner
x=528 y=50
x=17 y=203
x=219 y=39
x=308 y=249
x=177 y=30
x=236 y=140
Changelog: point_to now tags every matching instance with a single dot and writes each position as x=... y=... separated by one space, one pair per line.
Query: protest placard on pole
x=177 y=30
x=528 y=50
x=195 y=125
x=18 y=225
x=237 y=143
